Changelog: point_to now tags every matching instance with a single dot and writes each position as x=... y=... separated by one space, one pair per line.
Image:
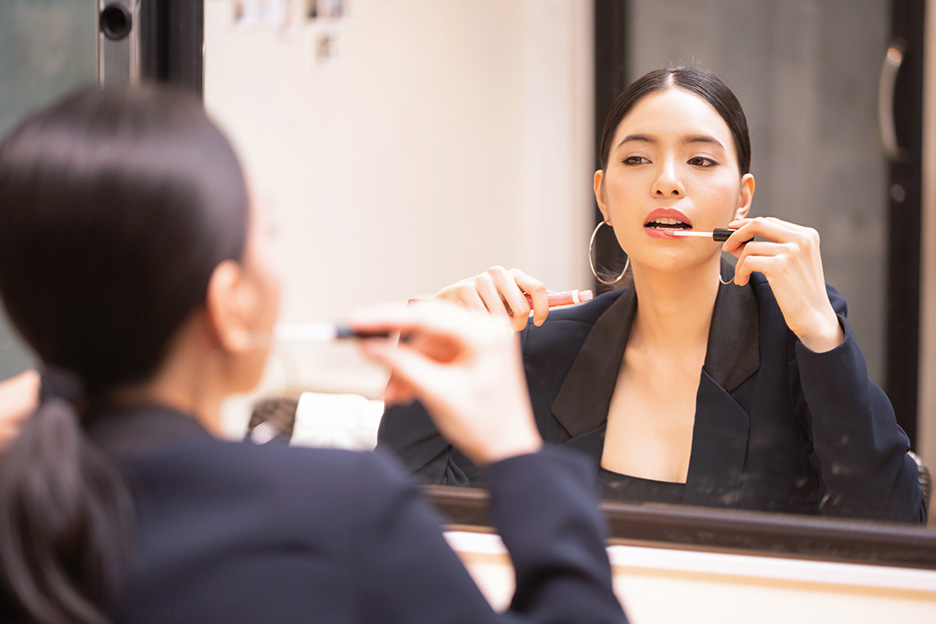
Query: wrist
x=492 y=456
x=508 y=444
x=825 y=335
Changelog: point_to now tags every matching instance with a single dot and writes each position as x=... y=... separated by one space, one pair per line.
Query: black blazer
x=777 y=427
x=233 y=532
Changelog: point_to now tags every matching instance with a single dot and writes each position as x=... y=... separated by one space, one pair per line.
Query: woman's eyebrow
x=698 y=138
x=638 y=137
x=702 y=138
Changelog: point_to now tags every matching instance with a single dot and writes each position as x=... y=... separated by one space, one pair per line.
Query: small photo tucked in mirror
x=327 y=9
x=269 y=13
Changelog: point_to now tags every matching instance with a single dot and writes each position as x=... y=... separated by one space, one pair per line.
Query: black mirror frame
x=738 y=532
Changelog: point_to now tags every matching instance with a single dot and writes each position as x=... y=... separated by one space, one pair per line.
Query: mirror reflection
x=619 y=377
x=435 y=142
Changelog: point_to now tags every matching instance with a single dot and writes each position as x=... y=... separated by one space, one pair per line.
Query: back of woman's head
x=115 y=208
x=702 y=83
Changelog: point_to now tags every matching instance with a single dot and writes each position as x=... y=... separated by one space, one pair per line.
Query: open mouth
x=665 y=223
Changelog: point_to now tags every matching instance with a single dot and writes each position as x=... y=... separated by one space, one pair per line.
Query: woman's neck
x=187 y=381
x=184 y=397
x=674 y=310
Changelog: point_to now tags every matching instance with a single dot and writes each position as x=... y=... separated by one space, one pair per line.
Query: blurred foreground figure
x=136 y=266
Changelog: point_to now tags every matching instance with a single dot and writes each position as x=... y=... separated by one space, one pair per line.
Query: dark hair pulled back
x=115 y=208
x=701 y=82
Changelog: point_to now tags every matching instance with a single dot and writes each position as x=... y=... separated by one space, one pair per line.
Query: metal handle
x=886 y=85
x=118 y=42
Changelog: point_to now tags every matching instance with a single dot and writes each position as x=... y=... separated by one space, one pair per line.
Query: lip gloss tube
x=568 y=297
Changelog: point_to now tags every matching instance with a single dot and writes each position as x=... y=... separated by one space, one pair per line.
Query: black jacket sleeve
x=859 y=450
x=544 y=510
x=408 y=432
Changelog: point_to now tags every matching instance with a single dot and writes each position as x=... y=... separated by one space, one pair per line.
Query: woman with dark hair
x=695 y=385
x=134 y=263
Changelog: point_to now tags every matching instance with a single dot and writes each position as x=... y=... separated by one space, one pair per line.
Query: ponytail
x=63 y=523
x=88 y=285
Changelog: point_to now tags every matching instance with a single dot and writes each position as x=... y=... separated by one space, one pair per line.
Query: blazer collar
x=585 y=395
x=138 y=429
x=732 y=355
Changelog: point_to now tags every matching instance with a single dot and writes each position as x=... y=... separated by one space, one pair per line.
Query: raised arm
x=859 y=450
x=466 y=369
x=543 y=507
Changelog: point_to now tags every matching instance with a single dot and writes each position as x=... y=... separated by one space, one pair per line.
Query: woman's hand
x=791 y=262
x=500 y=292
x=19 y=397
x=467 y=370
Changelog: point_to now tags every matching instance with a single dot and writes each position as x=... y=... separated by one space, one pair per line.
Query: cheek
x=266 y=292
x=623 y=195
x=272 y=289
x=720 y=195
x=269 y=274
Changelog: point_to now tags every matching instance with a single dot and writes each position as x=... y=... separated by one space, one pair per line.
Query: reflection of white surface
x=726 y=564
x=728 y=588
x=294 y=367
x=346 y=421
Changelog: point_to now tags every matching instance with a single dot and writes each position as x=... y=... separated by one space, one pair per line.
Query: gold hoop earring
x=591 y=258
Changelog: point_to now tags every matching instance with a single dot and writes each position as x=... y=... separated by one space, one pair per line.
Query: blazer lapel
x=719 y=447
x=721 y=429
x=733 y=351
x=582 y=403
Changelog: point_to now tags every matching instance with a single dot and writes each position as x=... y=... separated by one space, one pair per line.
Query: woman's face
x=672 y=165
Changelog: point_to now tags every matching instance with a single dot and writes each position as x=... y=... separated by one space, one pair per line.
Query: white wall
x=439 y=139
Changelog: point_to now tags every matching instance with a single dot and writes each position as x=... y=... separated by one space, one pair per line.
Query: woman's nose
x=667 y=183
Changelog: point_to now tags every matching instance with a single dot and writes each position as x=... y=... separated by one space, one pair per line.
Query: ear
x=599 y=196
x=226 y=308
x=746 y=197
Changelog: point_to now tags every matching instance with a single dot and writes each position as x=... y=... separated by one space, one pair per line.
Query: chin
x=677 y=262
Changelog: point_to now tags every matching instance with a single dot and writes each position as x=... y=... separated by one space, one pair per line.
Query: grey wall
x=46 y=48
x=806 y=72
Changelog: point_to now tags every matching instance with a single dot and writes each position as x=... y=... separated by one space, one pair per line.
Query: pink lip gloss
x=568 y=297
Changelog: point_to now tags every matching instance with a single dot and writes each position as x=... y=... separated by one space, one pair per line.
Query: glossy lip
x=664 y=213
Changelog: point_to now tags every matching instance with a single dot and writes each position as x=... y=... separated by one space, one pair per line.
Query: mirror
x=46 y=49
x=407 y=144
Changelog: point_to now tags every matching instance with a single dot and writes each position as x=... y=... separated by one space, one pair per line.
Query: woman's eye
x=635 y=160
x=702 y=161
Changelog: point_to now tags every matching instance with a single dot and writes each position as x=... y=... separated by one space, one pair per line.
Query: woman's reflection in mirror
x=700 y=383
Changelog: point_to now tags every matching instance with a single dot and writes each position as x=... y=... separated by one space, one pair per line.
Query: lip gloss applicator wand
x=719 y=235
